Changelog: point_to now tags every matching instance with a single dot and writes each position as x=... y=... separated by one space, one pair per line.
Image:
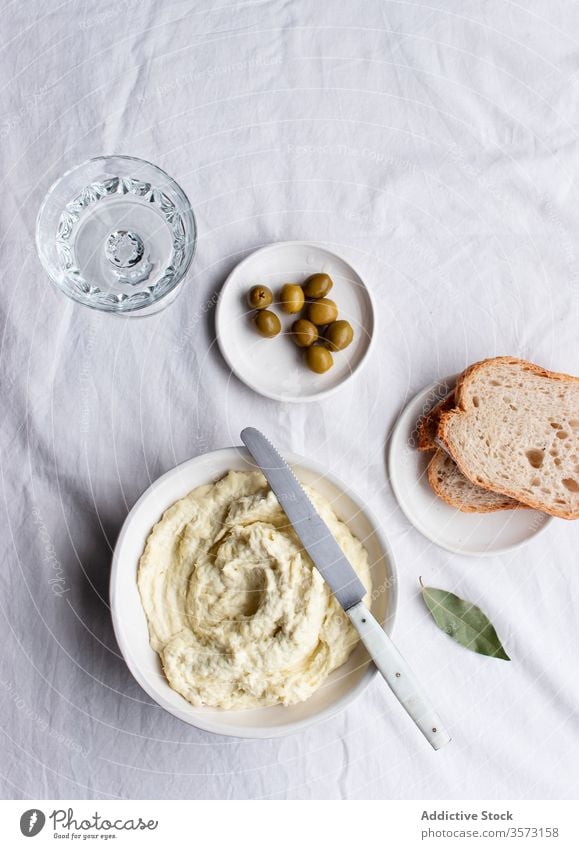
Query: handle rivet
x=398 y=675
x=435 y=730
x=363 y=621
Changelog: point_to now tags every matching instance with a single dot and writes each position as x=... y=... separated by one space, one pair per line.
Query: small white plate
x=275 y=367
x=130 y=625
x=461 y=533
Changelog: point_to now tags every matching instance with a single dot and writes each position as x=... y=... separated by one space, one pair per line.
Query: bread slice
x=515 y=430
x=445 y=477
x=428 y=425
x=449 y=483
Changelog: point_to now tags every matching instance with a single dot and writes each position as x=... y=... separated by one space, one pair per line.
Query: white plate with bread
x=481 y=462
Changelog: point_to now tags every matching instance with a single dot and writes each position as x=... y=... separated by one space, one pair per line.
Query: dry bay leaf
x=464 y=622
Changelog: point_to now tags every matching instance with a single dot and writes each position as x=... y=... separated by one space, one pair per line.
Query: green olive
x=338 y=335
x=317 y=285
x=292 y=298
x=259 y=297
x=322 y=311
x=267 y=323
x=319 y=359
x=304 y=333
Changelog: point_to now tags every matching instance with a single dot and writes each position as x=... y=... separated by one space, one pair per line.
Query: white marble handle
x=398 y=675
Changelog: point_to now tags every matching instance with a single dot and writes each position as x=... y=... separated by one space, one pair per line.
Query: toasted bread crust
x=442 y=492
x=429 y=423
x=443 y=438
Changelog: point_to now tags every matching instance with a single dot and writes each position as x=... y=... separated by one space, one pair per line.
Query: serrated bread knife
x=331 y=562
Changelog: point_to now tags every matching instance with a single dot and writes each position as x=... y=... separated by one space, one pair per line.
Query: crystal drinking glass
x=117 y=234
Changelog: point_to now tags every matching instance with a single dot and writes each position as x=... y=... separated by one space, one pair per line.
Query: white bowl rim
x=278 y=396
x=260 y=732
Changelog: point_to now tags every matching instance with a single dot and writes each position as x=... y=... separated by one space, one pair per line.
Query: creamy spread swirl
x=236 y=609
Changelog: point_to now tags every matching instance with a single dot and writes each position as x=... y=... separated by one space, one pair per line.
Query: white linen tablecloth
x=434 y=144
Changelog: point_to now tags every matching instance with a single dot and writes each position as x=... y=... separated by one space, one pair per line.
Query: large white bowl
x=342 y=686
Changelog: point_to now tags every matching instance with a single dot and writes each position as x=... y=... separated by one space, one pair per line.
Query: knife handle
x=398 y=675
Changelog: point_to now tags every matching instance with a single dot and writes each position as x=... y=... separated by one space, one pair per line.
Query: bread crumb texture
x=515 y=431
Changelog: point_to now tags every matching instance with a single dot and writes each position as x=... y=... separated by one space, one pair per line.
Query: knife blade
x=344 y=583
x=309 y=526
